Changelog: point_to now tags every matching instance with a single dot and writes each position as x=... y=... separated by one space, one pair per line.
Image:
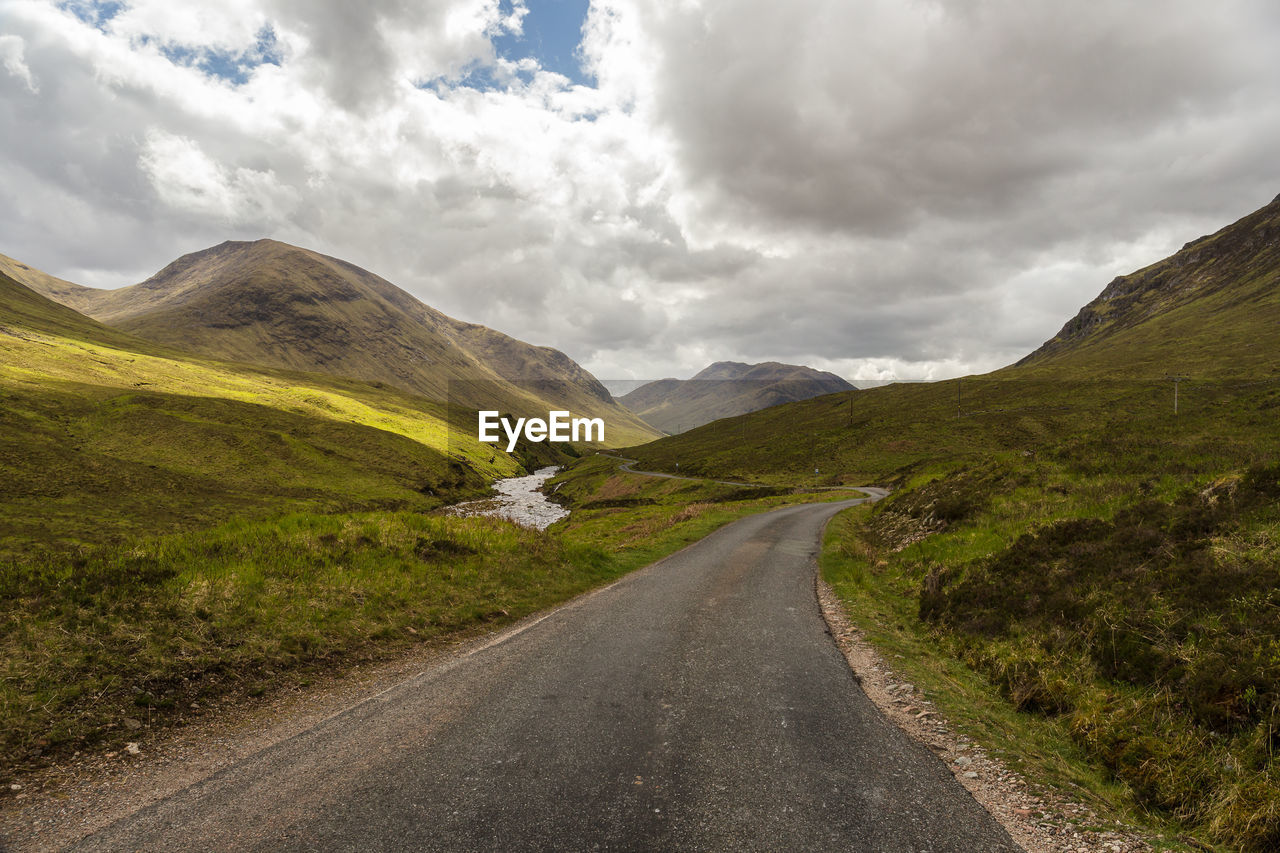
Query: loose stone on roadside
x=1039 y=822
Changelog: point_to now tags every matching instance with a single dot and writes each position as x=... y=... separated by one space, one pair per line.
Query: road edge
x=1037 y=821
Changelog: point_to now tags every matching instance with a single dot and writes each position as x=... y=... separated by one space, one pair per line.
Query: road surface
x=628 y=466
x=697 y=704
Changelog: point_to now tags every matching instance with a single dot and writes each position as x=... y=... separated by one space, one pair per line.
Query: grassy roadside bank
x=155 y=632
x=884 y=606
x=1122 y=640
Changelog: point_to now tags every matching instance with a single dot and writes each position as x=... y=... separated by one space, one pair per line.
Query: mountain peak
x=723 y=370
x=726 y=389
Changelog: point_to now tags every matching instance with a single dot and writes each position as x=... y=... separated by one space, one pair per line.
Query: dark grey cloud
x=876 y=117
x=353 y=51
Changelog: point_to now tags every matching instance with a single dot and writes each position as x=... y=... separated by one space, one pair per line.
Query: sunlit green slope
x=103 y=434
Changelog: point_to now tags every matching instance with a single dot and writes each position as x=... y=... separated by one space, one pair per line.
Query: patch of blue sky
x=478 y=77
x=551 y=34
x=232 y=66
x=483 y=78
x=95 y=12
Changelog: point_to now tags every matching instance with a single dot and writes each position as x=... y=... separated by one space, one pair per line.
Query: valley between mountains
x=225 y=485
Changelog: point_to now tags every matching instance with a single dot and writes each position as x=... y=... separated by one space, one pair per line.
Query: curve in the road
x=628 y=465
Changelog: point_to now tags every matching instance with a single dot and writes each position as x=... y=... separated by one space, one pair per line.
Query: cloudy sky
x=910 y=188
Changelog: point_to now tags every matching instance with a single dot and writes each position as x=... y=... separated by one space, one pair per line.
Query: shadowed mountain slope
x=1211 y=310
x=270 y=303
x=59 y=290
x=727 y=389
x=24 y=311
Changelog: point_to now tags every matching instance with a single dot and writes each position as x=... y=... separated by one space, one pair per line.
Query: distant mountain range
x=1211 y=310
x=727 y=389
x=277 y=305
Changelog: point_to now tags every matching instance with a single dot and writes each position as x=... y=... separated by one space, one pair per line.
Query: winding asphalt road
x=628 y=465
x=697 y=704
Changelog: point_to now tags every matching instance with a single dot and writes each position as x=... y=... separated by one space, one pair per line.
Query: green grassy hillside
x=277 y=305
x=104 y=436
x=177 y=531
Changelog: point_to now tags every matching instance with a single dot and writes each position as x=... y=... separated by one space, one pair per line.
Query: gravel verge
x=1038 y=819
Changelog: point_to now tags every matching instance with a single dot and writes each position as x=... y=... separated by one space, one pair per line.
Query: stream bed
x=519 y=499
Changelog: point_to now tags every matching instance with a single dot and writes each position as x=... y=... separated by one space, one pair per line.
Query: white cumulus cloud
x=193 y=184
x=11 y=54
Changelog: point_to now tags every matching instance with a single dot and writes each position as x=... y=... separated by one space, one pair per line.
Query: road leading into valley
x=628 y=465
x=697 y=704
